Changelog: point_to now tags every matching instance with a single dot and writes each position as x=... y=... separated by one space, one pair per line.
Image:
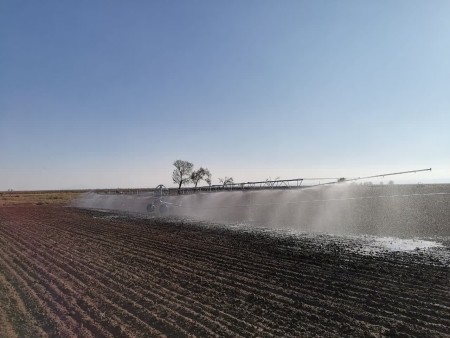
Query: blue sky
x=109 y=93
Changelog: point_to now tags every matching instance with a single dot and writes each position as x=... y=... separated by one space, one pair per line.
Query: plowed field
x=69 y=272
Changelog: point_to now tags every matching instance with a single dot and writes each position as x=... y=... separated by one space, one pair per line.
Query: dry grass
x=38 y=198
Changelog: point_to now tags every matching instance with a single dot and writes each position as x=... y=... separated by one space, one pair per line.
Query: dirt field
x=69 y=272
x=37 y=198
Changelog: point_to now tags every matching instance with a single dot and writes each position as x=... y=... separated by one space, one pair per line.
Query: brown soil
x=37 y=197
x=68 y=272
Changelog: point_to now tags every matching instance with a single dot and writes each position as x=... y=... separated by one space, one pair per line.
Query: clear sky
x=109 y=93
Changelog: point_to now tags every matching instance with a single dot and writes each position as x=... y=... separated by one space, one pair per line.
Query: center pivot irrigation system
x=160 y=205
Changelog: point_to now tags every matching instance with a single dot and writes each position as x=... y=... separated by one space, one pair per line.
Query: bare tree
x=207 y=177
x=182 y=172
x=198 y=175
x=227 y=180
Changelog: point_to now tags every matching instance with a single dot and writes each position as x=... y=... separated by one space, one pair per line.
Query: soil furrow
x=105 y=270
x=76 y=272
x=210 y=277
x=363 y=317
x=88 y=283
x=281 y=308
x=355 y=274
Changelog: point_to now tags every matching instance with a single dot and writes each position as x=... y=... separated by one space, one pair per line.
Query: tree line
x=184 y=173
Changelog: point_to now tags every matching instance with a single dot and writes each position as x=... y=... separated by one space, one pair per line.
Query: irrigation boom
x=162 y=206
x=288 y=183
x=390 y=174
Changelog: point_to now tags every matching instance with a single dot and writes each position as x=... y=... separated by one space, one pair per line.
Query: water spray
x=271 y=201
x=162 y=206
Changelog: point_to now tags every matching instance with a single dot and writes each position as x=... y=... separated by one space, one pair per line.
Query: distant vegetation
x=201 y=174
x=184 y=173
x=226 y=180
x=39 y=198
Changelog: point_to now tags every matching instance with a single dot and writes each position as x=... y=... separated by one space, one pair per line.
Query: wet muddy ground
x=404 y=211
x=72 y=272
